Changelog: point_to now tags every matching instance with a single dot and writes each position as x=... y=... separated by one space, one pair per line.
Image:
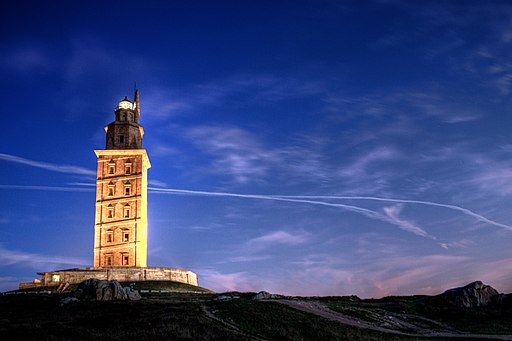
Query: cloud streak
x=235 y=152
x=305 y=199
x=10 y=257
x=47 y=188
x=408 y=201
x=393 y=212
x=234 y=281
x=279 y=237
x=361 y=210
x=48 y=166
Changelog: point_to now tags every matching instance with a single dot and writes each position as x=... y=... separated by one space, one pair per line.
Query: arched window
x=127 y=211
x=111 y=189
x=128 y=167
x=126 y=236
x=110 y=236
x=127 y=188
x=111 y=167
x=110 y=211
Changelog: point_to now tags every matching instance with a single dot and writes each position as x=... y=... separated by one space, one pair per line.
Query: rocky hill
x=473 y=295
x=470 y=312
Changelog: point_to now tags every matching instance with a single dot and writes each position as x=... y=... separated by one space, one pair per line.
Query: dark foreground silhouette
x=472 y=312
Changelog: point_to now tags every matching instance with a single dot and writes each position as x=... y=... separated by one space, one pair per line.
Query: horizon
x=299 y=148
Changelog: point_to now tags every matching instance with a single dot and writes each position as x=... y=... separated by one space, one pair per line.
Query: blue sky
x=298 y=147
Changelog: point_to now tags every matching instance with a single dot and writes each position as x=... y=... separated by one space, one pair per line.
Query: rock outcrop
x=94 y=289
x=263 y=295
x=473 y=295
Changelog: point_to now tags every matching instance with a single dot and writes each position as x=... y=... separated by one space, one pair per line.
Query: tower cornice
x=125 y=152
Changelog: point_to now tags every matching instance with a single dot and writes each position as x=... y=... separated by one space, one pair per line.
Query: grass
x=180 y=316
x=30 y=317
x=275 y=321
x=419 y=309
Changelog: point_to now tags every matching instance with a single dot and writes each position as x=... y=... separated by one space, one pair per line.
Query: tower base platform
x=119 y=273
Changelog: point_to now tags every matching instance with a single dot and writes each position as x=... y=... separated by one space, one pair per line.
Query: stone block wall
x=121 y=274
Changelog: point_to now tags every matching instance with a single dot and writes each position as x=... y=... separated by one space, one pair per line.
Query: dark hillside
x=237 y=316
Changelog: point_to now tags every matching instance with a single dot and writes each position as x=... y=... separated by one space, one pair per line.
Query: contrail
x=289 y=198
x=302 y=197
x=48 y=166
x=48 y=188
x=298 y=199
x=405 y=201
x=367 y=212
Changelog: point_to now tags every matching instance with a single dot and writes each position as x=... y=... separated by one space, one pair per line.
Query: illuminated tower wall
x=120 y=231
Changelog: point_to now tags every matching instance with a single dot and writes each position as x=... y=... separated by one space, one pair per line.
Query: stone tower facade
x=120 y=231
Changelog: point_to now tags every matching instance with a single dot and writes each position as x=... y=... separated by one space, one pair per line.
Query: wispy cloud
x=357 y=209
x=402 y=106
x=48 y=166
x=279 y=237
x=235 y=152
x=246 y=158
x=393 y=212
x=161 y=103
x=378 y=276
x=464 y=243
x=239 y=88
x=409 y=201
x=47 y=188
x=433 y=105
x=10 y=257
x=247 y=258
x=496 y=179
x=220 y=282
x=291 y=198
x=389 y=274
x=157 y=183
x=359 y=168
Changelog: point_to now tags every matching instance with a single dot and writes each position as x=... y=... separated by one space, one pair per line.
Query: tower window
x=108 y=260
x=126 y=259
x=111 y=167
x=121 y=139
x=110 y=236
x=126 y=236
x=110 y=212
x=127 y=188
x=127 y=211
x=111 y=189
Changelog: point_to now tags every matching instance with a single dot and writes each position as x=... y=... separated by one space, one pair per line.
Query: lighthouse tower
x=120 y=230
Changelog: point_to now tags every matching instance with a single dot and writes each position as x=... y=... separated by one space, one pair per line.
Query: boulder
x=98 y=290
x=132 y=294
x=262 y=295
x=475 y=294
